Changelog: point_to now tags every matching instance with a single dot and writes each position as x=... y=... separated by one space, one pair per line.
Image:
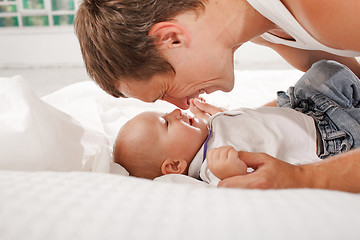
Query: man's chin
x=230 y=85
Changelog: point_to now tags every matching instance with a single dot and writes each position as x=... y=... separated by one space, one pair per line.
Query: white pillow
x=99 y=112
x=36 y=136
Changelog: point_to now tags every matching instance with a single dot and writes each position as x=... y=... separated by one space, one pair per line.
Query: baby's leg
x=330 y=93
x=331 y=79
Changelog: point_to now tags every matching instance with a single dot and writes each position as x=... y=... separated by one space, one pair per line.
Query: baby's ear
x=171 y=166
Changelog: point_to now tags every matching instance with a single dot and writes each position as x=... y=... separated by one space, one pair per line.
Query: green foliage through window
x=36 y=13
x=33 y=4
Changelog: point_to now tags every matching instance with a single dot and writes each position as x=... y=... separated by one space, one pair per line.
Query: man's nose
x=179 y=102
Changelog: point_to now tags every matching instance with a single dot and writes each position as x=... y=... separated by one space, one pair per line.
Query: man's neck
x=229 y=23
x=240 y=22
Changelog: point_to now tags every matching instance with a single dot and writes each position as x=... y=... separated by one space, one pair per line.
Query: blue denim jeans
x=330 y=93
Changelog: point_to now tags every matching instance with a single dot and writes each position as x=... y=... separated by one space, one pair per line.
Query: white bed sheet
x=43 y=203
x=87 y=206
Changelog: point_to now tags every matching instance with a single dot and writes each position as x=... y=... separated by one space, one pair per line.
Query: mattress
x=58 y=181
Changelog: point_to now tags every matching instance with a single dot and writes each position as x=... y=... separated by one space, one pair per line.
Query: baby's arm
x=224 y=162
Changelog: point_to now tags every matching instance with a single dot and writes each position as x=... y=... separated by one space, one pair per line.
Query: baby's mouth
x=186 y=118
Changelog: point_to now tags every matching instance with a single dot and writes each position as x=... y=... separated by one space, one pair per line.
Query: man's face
x=195 y=73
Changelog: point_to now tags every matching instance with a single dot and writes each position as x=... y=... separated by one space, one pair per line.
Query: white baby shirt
x=275 y=11
x=280 y=132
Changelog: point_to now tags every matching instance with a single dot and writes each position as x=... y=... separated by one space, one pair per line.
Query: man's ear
x=170 y=35
x=170 y=166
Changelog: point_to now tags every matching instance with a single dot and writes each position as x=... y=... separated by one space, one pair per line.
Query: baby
x=326 y=98
x=153 y=144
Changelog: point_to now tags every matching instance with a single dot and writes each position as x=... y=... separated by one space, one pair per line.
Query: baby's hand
x=203 y=110
x=224 y=162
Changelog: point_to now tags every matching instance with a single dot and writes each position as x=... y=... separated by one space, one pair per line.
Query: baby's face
x=175 y=134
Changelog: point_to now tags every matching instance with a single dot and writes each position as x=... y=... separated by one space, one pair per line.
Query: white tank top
x=275 y=11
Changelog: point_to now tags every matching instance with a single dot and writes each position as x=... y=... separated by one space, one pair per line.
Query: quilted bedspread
x=78 y=205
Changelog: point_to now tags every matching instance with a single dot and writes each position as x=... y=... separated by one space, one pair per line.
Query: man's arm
x=303 y=59
x=271 y=104
x=340 y=172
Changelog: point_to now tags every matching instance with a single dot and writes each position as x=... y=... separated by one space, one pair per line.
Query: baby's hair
x=139 y=159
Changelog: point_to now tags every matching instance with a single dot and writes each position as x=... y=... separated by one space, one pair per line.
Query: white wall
x=58 y=47
x=39 y=48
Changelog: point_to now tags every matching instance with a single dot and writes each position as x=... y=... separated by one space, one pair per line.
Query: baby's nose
x=177 y=113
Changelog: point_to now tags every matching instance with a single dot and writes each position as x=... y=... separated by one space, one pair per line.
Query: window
x=27 y=13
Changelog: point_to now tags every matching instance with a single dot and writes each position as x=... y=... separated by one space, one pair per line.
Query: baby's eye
x=166 y=123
